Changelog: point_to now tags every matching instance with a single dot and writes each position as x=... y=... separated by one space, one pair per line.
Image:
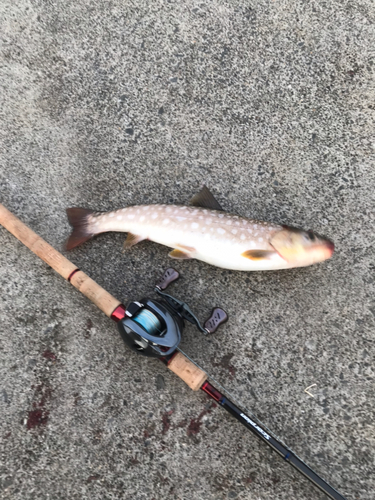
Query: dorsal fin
x=205 y=199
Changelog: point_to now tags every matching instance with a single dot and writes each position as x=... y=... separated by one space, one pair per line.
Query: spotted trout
x=205 y=232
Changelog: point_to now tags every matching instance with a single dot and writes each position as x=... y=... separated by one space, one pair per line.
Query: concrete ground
x=106 y=104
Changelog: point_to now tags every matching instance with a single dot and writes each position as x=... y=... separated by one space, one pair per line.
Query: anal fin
x=181 y=254
x=132 y=239
x=258 y=254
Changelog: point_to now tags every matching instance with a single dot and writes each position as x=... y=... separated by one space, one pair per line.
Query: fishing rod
x=153 y=328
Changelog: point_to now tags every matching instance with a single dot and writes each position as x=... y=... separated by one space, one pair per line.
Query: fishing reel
x=153 y=327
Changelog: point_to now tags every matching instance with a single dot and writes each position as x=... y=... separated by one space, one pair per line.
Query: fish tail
x=81 y=221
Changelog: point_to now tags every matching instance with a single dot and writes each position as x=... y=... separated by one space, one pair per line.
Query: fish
x=204 y=231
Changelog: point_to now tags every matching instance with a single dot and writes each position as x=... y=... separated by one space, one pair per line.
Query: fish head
x=301 y=248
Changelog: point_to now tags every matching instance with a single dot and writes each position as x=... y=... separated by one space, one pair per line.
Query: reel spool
x=153 y=327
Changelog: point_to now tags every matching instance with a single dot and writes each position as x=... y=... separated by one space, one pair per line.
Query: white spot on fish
x=221 y=216
x=220 y=230
x=194 y=225
x=237 y=223
x=255 y=226
x=168 y=209
x=179 y=218
x=154 y=216
x=243 y=237
x=131 y=216
x=111 y=214
x=142 y=218
x=119 y=217
x=229 y=222
x=234 y=231
x=249 y=230
x=208 y=221
x=260 y=240
x=145 y=207
x=166 y=221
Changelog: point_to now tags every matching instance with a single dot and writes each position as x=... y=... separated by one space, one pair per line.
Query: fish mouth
x=328 y=244
x=330 y=247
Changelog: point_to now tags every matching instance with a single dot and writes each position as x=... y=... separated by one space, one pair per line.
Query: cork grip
x=58 y=262
x=95 y=293
x=180 y=365
x=187 y=371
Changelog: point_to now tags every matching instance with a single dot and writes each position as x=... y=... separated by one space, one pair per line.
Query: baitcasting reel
x=153 y=327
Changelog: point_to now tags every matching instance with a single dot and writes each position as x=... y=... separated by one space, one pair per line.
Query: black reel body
x=153 y=327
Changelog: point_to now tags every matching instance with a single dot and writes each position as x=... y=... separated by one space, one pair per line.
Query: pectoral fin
x=205 y=199
x=179 y=254
x=258 y=254
x=132 y=239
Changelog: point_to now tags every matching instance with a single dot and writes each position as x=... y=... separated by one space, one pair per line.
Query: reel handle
x=169 y=276
x=218 y=315
x=217 y=318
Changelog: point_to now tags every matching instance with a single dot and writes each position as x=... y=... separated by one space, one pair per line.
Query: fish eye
x=309 y=236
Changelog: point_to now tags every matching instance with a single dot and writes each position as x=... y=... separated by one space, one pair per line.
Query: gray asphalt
x=106 y=104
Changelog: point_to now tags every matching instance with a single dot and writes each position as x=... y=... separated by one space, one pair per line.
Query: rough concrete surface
x=106 y=104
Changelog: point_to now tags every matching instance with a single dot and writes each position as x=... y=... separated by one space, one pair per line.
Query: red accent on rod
x=119 y=313
x=72 y=274
x=212 y=392
x=171 y=357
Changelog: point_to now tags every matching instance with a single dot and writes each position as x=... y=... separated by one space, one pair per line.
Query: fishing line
x=148 y=321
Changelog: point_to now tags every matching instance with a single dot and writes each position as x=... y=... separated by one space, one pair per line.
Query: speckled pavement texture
x=106 y=104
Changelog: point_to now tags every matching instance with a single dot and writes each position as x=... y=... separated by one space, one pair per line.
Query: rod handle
x=193 y=376
x=100 y=297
